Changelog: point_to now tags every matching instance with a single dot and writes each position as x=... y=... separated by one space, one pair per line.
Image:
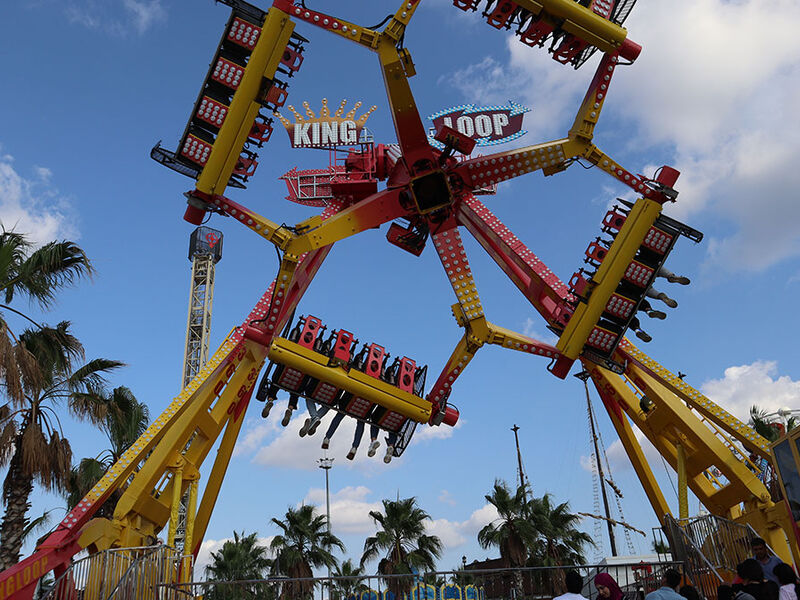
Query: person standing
x=787 y=579
x=574 y=587
x=607 y=588
x=669 y=584
x=754 y=586
x=768 y=561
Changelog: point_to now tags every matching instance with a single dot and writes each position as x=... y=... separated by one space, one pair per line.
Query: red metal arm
x=538 y=284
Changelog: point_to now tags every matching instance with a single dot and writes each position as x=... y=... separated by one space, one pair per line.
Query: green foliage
x=767 y=426
x=38 y=274
x=401 y=544
x=303 y=545
x=512 y=532
x=660 y=547
x=125 y=421
x=533 y=532
x=559 y=543
x=37 y=376
x=342 y=588
x=241 y=559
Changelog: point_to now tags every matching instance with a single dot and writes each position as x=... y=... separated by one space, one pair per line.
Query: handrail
x=92 y=575
x=691 y=555
x=136 y=562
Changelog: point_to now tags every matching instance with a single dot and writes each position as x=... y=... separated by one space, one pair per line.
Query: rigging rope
x=617 y=493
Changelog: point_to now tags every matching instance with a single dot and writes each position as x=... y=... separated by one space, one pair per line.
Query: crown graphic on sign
x=326 y=130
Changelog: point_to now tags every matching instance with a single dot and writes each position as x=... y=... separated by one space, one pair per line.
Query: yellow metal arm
x=370 y=212
x=359 y=384
x=264 y=60
x=144 y=508
x=364 y=36
x=711 y=411
x=463 y=353
x=630 y=237
x=550 y=157
x=500 y=336
x=454 y=260
x=716 y=471
x=581 y=21
x=612 y=397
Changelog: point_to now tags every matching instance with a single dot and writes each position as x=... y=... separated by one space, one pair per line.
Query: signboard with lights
x=326 y=130
x=487 y=125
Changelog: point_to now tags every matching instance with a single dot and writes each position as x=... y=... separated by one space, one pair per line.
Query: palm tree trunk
x=519 y=587
x=17 y=489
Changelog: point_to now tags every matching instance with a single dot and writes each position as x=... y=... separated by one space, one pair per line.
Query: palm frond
x=54 y=348
x=46 y=270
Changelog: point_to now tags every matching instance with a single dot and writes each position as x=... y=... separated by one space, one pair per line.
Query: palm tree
x=513 y=532
x=36 y=275
x=771 y=429
x=32 y=442
x=343 y=588
x=240 y=559
x=126 y=420
x=401 y=543
x=305 y=544
x=560 y=542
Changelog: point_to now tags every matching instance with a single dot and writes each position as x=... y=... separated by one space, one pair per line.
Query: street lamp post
x=326 y=464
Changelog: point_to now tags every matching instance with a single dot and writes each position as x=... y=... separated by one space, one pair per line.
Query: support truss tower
x=205 y=251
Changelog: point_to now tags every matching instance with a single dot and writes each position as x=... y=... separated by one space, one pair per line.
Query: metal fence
x=533 y=583
x=124 y=573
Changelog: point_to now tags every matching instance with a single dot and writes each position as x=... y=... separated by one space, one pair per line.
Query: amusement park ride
x=425 y=192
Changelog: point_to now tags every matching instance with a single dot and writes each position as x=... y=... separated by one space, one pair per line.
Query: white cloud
x=447 y=531
x=144 y=13
x=32 y=206
x=719 y=100
x=426 y=433
x=447 y=498
x=118 y=17
x=531 y=328
x=758 y=383
x=530 y=78
x=349 y=508
x=456 y=533
x=273 y=445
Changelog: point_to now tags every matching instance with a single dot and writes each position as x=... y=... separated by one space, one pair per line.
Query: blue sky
x=89 y=86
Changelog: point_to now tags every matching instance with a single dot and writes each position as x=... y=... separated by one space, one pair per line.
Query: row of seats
x=339 y=348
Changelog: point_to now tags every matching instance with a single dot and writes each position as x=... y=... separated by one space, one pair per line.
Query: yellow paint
x=608 y=276
x=190 y=520
x=214 y=483
x=22 y=578
x=711 y=411
x=177 y=488
x=359 y=384
x=263 y=62
x=683 y=490
x=612 y=385
x=581 y=21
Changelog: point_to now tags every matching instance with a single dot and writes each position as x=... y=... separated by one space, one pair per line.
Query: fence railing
x=124 y=573
x=531 y=583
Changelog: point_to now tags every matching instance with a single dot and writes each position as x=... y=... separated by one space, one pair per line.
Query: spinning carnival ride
x=428 y=193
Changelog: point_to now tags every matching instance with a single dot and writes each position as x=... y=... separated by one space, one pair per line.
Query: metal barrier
x=710 y=547
x=531 y=583
x=123 y=573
